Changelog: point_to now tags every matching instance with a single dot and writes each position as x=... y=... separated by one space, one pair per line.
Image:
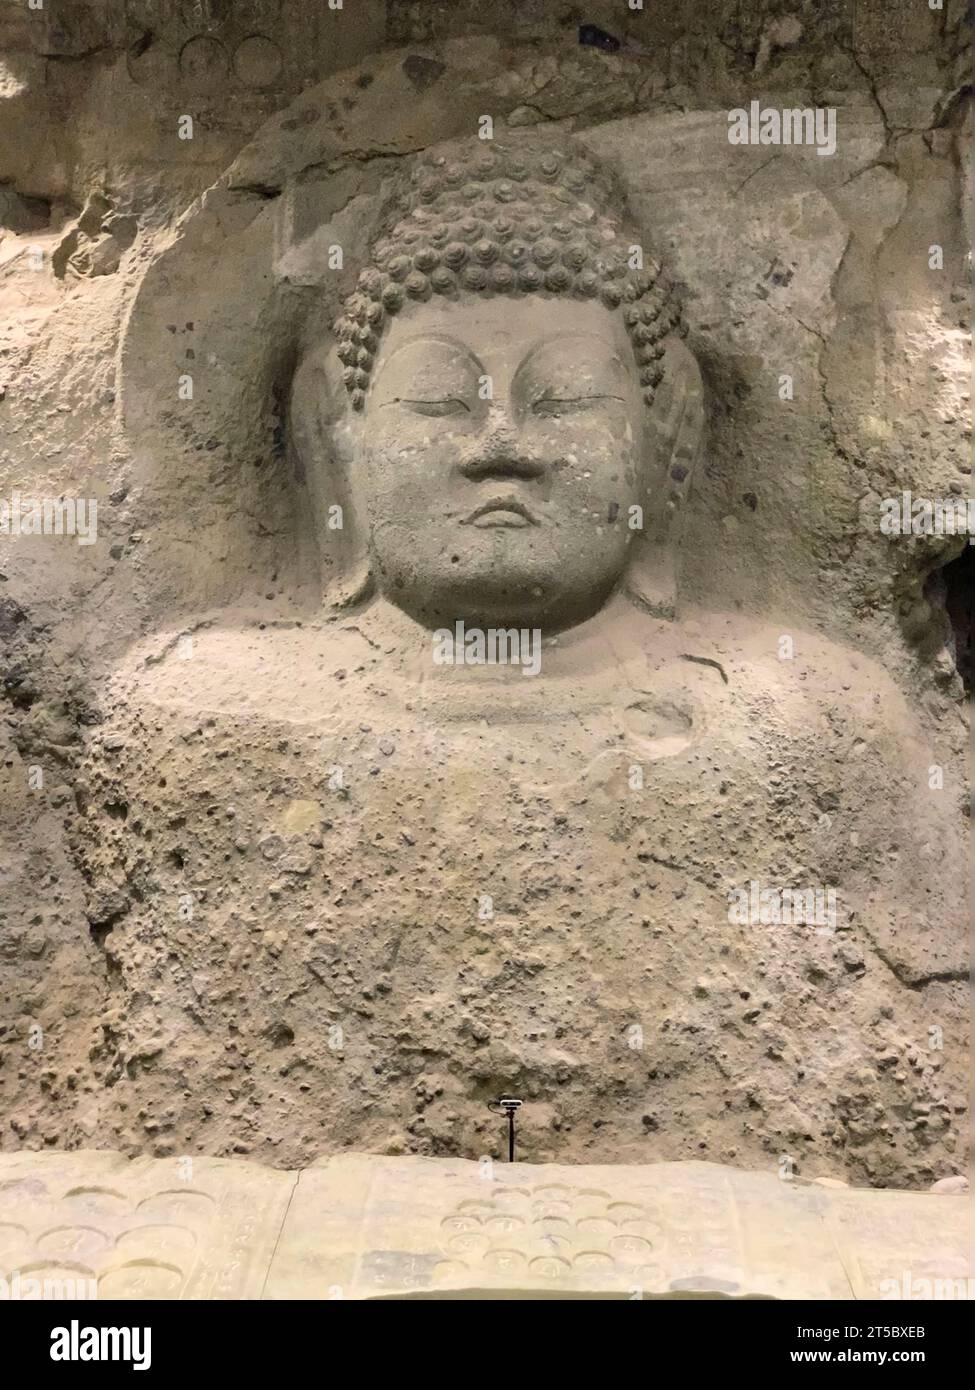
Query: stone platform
x=363 y=1227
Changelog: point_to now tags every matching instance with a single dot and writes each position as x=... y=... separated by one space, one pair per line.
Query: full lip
x=501 y=511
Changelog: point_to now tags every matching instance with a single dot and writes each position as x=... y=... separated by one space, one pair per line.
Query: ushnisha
x=508 y=220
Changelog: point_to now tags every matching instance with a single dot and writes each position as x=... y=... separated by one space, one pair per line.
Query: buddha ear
x=323 y=440
x=674 y=442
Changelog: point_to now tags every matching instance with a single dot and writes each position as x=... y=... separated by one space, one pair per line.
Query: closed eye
x=450 y=405
x=556 y=405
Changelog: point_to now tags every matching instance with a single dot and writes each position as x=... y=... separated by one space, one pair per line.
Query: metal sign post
x=507 y=1105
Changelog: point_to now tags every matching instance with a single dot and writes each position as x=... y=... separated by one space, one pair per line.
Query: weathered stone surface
x=353 y=1227
x=141 y=1228
x=194 y=906
x=256 y=712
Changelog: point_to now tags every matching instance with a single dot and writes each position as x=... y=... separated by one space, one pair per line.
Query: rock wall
x=130 y=255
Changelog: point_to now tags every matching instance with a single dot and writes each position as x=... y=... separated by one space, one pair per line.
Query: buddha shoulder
x=288 y=672
x=789 y=679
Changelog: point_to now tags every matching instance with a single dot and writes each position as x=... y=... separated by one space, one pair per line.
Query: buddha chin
x=542 y=575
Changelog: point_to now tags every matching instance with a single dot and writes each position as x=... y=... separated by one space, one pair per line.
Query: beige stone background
x=790 y=264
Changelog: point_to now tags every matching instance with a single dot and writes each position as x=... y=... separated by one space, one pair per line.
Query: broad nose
x=499 y=450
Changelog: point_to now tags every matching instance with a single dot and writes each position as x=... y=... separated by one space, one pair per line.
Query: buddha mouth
x=501 y=511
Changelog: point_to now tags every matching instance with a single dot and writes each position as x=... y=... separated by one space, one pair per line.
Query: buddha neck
x=516 y=672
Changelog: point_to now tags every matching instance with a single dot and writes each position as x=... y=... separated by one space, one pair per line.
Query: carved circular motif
x=552 y=1225
x=540 y=1231
x=504 y=1223
x=177 y=1206
x=142 y=1279
x=594 y=1259
x=149 y=66
x=624 y=1211
x=509 y=1196
x=630 y=1247
x=156 y=1240
x=504 y=1261
x=96 y=1201
x=203 y=60
x=258 y=61
x=80 y=1242
x=596 y=1225
x=467 y=1222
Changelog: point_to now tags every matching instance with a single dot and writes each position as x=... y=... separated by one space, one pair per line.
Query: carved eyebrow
x=588 y=339
x=444 y=339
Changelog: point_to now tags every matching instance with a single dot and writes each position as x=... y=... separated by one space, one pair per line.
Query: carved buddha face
x=501 y=355
x=499 y=454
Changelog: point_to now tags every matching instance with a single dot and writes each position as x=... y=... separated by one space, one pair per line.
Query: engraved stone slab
x=365 y=1227
x=912 y=1248
x=417 y=1227
x=441 y=1228
x=141 y=1228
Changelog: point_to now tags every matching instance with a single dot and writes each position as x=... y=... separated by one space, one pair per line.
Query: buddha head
x=507 y=412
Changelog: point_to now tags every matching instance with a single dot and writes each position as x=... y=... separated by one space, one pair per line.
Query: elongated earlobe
x=675 y=439
x=323 y=454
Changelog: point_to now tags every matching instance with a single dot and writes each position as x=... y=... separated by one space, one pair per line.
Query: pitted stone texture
x=322 y=901
x=199 y=509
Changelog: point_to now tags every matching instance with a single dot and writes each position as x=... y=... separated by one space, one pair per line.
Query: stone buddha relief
x=564 y=400
x=486 y=820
